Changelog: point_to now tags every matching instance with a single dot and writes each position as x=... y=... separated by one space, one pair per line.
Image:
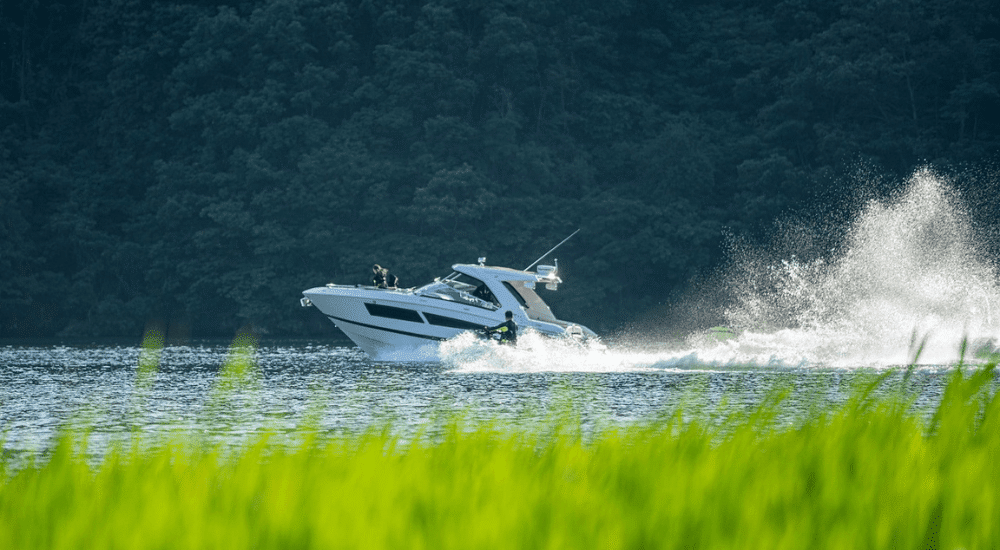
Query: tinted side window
x=394 y=313
x=442 y=321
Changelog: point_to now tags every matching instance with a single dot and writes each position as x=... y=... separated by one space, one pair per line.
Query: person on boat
x=381 y=278
x=483 y=293
x=507 y=329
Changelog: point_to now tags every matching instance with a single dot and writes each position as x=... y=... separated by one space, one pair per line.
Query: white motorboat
x=407 y=324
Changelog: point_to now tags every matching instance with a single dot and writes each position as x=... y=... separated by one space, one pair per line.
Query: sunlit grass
x=870 y=473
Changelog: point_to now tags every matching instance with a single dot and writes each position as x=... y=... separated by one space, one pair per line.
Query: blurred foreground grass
x=869 y=474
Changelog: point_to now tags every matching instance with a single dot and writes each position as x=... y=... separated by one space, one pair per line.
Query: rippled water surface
x=293 y=387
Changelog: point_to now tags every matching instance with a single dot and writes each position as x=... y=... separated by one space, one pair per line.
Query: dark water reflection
x=313 y=387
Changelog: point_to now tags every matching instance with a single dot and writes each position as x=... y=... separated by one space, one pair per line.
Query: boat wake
x=906 y=277
x=537 y=354
x=533 y=353
x=911 y=278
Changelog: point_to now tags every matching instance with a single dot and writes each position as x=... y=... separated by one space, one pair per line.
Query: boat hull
x=397 y=325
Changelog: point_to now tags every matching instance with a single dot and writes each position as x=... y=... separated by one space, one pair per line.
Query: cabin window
x=450 y=322
x=398 y=313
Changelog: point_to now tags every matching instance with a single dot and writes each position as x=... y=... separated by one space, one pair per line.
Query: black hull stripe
x=451 y=322
x=403 y=332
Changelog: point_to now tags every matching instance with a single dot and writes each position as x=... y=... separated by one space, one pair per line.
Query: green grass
x=869 y=474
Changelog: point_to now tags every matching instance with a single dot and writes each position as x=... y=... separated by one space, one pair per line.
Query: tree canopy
x=200 y=163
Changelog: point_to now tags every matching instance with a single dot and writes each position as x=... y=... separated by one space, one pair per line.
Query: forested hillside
x=200 y=163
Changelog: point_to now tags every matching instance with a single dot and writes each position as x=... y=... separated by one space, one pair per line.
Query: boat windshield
x=533 y=305
x=461 y=288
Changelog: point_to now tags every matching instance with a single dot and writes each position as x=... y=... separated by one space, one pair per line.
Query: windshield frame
x=533 y=305
x=460 y=288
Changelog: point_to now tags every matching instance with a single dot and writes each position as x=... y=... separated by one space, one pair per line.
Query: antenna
x=550 y=251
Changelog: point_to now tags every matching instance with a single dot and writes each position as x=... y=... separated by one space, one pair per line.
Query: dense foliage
x=200 y=163
x=868 y=474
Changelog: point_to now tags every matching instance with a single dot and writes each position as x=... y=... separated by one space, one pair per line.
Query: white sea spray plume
x=911 y=269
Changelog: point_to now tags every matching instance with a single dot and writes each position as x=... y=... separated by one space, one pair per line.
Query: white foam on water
x=533 y=353
x=467 y=353
x=910 y=272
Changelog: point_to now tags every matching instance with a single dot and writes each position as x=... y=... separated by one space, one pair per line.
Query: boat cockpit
x=461 y=288
x=465 y=289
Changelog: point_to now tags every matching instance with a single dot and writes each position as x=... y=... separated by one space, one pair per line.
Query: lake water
x=817 y=312
x=291 y=387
